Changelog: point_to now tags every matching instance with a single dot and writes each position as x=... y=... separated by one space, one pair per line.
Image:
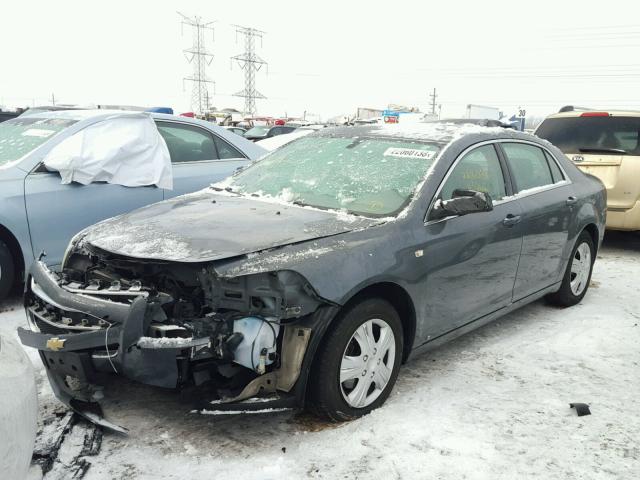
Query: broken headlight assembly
x=166 y=324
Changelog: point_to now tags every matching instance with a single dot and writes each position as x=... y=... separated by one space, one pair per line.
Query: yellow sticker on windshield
x=409 y=153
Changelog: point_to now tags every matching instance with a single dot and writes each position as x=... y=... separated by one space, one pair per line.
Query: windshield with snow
x=24 y=134
x=365 y=176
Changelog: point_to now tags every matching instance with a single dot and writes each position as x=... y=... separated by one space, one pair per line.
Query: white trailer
x=483 y=112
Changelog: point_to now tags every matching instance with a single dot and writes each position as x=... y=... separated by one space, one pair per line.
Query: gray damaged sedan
x=308 y=278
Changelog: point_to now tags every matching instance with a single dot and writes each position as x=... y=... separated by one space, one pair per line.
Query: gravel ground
x=492 y=404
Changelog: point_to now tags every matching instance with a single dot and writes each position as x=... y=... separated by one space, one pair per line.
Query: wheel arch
x=592 y=230
x=14 y=247
x=401 y=301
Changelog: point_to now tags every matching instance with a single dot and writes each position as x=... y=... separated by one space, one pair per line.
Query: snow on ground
x=493 y=404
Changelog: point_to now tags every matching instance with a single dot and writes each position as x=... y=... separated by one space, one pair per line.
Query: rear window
x=528 y=166
x=585 y=134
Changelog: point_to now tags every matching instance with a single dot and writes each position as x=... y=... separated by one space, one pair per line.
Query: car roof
x=99 y=113
x=82 y=114
x=578 y=113
x=436 y=132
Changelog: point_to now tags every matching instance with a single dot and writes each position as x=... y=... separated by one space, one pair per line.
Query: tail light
x=595 y=114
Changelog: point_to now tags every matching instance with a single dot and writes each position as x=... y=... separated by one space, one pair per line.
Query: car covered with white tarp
x=62 y=171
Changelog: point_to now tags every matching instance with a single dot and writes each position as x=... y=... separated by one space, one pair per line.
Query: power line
x=433 y=101
x=200 y=58
x=250 y=62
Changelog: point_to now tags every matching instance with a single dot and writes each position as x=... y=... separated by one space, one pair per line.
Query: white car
x=18 y=410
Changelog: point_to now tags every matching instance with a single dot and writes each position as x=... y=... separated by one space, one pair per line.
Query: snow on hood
x=125 y=150
x=207 y=226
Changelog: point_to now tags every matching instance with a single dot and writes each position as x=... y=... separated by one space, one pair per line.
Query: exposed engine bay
x=167 y=324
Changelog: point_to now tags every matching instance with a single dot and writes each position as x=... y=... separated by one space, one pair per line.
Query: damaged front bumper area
x=88 y=330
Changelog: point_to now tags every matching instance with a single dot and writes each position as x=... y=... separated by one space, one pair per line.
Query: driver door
x=472 y=260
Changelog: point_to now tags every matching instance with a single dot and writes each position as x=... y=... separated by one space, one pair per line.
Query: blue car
x=39 y=213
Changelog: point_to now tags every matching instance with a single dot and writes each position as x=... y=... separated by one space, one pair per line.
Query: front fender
x=334 y=266
x=13 y=214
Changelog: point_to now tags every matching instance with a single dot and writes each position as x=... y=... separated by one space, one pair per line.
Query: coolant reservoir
x=258 y=334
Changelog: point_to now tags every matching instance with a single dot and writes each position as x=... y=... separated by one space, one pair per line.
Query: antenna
x=250 y=63
x=200 y=58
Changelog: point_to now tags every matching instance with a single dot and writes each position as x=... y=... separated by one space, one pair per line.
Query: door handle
x=510 y=220
x=571 y=200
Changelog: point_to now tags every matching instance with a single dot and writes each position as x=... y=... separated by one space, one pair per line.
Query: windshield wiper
x=225 y=189
x=618 y=151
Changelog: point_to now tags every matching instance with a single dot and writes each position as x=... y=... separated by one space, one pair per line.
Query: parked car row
x=309 y=277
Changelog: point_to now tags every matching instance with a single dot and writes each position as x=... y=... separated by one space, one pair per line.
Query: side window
x=187 y=143
x=478 y=170
x=225 y=150
x=528 y=166
x=556 y=173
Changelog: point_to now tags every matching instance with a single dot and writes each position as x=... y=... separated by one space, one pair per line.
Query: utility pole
x=200 y=58
x=53 y=99
x=433 y=101
x=250 y=63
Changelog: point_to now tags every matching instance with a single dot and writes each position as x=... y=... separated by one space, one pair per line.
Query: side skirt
x=464 y=329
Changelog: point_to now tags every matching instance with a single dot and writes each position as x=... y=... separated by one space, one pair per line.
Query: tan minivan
x=606 y=145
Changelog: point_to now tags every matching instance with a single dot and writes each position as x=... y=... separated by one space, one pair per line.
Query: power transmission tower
x=200 y=58
x=250 y=62
x=433 y=102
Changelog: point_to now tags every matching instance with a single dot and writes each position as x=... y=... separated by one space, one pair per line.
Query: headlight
x=72 y=244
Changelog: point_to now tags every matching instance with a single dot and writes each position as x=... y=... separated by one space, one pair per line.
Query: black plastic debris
x=59 y=459
x=581 y=408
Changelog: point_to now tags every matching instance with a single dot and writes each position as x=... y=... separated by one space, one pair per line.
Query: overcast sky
x=328 y=57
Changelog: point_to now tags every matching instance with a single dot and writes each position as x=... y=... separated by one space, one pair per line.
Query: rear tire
x=357 y=364
x=577 y=276
x=7 y=271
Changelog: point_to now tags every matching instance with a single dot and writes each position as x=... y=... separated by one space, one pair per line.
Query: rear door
x=473 y=258
x=198 y=156
x=546 y=197
x=56 y=212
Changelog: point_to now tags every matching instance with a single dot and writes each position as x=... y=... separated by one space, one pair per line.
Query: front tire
x=577 y=276
x=7 y=270
x=357 y=365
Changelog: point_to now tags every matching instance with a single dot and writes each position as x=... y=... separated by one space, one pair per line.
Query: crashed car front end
x=168 y=324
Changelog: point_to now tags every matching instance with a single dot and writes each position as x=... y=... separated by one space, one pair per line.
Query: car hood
x=208 y=226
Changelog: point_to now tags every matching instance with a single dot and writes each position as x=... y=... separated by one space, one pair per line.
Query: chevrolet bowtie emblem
x=55 y=344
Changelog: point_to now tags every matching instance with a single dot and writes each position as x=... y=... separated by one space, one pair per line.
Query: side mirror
x=462 y=202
